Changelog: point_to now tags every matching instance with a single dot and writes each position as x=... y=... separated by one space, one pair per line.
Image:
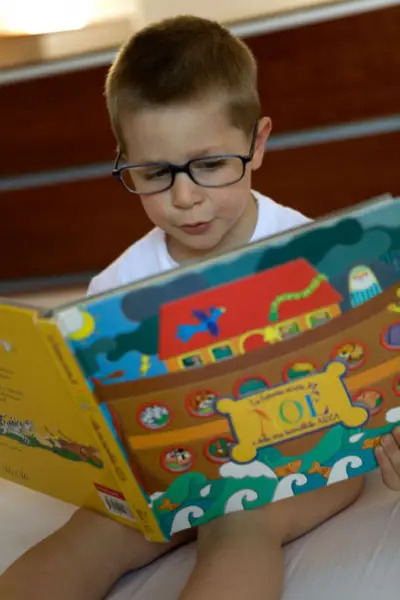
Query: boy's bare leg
x=82 y=560
x=240 y=556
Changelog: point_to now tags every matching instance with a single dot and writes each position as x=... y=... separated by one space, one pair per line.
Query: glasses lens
x=217 y=171
x=147 y=179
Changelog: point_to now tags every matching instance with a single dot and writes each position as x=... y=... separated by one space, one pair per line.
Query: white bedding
x=356 y=554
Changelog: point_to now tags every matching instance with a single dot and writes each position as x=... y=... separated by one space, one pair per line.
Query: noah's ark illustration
x=253 y=392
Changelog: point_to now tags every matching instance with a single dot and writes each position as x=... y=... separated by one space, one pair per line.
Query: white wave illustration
x=393 y=415
x=339 y=469
x=181 y=519
x=253 y=469
x=205 y=491
x=356 y=437
x=154 y=497
x=235 y=502
x=284 y=489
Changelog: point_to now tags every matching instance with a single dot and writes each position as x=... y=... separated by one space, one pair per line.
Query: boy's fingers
x=396 y=435
x=389 y=475
x=392 y=451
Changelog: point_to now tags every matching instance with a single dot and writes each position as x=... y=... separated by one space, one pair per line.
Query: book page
x=258 y=376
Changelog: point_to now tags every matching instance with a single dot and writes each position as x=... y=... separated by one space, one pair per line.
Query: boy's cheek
x=155 y=209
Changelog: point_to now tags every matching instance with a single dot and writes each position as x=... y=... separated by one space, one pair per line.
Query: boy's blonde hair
x=182 y=59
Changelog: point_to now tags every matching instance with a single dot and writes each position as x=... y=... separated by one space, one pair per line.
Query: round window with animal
x=177 y=460
x=154 y=416
x=352 y=353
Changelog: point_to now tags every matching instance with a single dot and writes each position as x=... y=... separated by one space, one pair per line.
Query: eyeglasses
x=214 y=171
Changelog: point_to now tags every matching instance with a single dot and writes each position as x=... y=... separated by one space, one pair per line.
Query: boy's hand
x=388 y=457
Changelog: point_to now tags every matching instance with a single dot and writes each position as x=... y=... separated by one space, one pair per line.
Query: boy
x=185 y=111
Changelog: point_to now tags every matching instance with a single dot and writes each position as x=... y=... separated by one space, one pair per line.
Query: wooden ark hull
x=189 y=436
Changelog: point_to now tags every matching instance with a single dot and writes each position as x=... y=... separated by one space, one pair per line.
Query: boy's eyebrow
x=205 y=152
x=197 y=154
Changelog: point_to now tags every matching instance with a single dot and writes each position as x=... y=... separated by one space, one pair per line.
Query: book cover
x=263 y=373
x=53 y=436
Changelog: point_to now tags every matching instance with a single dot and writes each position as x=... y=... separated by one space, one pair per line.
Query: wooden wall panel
x=340 y=70
x=335 y=71
x=322 y=178
x=316 y=75
x=55 y=122
x=83 y=226
x=70 y=228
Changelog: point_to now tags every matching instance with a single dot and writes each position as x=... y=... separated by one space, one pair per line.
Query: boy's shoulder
x=275 y=218
x=147 y=256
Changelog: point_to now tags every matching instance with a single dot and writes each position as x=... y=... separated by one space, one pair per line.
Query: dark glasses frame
x=174 y=169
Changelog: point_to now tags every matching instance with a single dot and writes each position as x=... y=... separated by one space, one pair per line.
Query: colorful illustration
x=249 y=384
x=207 y=321
x=252 y=377
x=227 y=319
x=281 y=413
x=372 y=400
x=145 y=364
x=300 y=295
x=299 y=369
x=177 y=460
x=352 y=353
x=25 y=433
x=363 y=285
x=391 y=336
x=154 y=416
x=395 y=306
x=77 y=324
x=256 y=314
x=285 y=418
x=218 y=449
x=200 y=403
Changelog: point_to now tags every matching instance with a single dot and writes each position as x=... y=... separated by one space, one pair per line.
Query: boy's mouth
x=196 y=228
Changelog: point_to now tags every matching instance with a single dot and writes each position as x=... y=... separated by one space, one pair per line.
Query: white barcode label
x=115 y=503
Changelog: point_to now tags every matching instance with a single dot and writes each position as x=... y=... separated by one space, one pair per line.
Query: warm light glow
x=44 y=16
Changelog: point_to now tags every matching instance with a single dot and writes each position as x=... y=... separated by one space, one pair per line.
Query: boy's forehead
x=179 y=132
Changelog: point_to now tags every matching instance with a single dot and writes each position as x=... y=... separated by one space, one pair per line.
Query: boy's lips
x=196 y=228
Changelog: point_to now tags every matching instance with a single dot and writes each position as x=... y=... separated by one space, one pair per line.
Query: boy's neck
x=240 y=234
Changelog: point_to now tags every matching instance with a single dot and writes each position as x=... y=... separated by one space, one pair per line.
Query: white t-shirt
x=149 y=255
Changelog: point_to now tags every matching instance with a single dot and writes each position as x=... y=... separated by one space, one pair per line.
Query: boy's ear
x=264 y=129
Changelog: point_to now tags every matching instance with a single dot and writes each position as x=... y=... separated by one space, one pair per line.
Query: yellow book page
x=53 y=436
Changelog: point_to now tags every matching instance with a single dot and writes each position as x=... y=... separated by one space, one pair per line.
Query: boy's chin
x=189 y=248
x=206 y=243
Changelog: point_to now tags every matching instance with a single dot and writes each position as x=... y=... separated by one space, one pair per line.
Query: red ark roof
x=251 y=303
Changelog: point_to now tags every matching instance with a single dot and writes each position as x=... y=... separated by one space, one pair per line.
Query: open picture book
x=258 y=374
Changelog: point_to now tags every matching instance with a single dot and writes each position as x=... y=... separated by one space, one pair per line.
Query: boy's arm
x=82 y=560
x=388 y=457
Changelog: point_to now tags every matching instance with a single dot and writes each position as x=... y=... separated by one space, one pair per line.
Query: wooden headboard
x=331 y=88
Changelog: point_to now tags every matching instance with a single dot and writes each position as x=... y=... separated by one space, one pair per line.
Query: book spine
x=85 y=401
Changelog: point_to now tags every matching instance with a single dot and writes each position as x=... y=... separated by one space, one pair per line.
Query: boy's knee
x=293 y=517
x=352 y=488
x=346 y=492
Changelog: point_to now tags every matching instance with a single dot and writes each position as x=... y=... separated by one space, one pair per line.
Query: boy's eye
x=209 y=165
x=156 y=174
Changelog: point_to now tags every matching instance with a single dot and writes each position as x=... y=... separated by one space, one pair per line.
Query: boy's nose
x=185 y=192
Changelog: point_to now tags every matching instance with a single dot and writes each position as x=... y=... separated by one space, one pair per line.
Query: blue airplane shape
x=207 y=322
